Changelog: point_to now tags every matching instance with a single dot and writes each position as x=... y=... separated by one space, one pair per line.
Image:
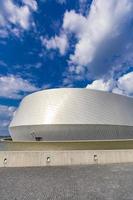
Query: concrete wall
x=55 y=158
x=66 y=145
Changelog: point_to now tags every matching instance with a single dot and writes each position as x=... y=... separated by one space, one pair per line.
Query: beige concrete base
x=60 y=158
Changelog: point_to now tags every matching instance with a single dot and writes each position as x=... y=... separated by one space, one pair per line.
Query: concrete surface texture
x=63 y=158
x=93 y=182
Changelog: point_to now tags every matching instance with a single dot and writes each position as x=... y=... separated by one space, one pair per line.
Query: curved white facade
x=73 y=114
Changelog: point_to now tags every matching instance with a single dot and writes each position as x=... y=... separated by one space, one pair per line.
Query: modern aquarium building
x=73 y=114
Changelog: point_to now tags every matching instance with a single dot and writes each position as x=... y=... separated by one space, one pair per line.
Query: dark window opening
x=38 y=138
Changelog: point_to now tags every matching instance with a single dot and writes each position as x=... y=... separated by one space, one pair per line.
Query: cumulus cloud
x=84 y=6
x=57 y=42
x=104 y=37
x=12 y=87
x=101 y=84
x=74 y=23
x=123 y=86
x=6 y=113
x=14 y=18
x=32 y=4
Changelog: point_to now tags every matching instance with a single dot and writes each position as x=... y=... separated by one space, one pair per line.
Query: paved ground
x=67 y=183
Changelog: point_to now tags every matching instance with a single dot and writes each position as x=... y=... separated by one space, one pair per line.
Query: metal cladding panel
x=69 y=106
x=72 y=132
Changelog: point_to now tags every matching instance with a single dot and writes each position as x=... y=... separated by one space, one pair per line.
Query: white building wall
x=63 y=110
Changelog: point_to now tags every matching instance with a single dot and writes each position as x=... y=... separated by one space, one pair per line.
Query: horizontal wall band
x=65 y=145
x=62 y=158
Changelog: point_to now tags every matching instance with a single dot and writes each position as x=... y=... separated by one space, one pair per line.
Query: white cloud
x=101 y=84
x=116 y=90
x=74 y=23
x=13 y=14
x=6 y=113
x=57 y=42
x=31 y=3
x=84 y=6
x=17 y=15
x=104 y=37
x=124 y=85
x=11 y=87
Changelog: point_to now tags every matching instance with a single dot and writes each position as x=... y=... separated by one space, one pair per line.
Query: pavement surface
x=93 y=182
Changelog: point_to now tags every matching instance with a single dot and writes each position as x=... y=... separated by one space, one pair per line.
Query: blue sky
x=63 y=43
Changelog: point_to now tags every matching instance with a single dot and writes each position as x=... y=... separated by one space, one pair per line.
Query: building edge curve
x=73 y=114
